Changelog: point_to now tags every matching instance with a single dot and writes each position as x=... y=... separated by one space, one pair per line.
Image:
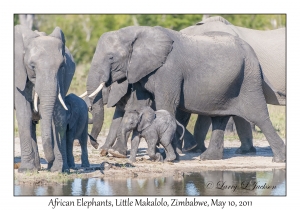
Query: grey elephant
x=77 y=128
x=215 y=74
x=43 y=70
x=269 y=47
x=201 y=127
x=156 y=127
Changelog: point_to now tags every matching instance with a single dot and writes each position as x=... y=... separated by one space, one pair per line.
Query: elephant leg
x=244 y=132
x=200 y=131
x=59 y=128
x=30 y=159
x=84 y=151
x=166 y=142
x=120 y=147
x=189 y=142
x=216 y=144
x=70 y=140
x=135 y=141
x=276 y=143
x=170 y=154
x=113 y=131
x=156 y=156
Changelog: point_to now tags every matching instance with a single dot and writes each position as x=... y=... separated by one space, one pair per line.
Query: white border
x=8 y=201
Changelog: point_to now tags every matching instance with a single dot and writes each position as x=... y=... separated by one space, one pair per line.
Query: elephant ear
x=146 y=117
x=68 y=71
x=58 y=33
x=117 y=91
x=149 y=52
x=73 y=112
x=22 y=38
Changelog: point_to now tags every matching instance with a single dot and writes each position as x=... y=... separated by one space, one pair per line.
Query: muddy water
x=190 y=184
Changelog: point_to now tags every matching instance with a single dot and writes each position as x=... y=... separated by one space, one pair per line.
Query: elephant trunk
x=98 y=118
x=95 y=78
x=46 y=110
x=123 y=134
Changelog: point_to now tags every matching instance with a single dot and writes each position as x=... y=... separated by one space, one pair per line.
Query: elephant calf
x=77 y=128
x=155 y=126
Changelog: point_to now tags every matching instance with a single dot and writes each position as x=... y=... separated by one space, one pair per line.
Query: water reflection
x=193 y=184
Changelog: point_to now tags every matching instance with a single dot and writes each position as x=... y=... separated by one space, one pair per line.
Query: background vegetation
x=83 y=31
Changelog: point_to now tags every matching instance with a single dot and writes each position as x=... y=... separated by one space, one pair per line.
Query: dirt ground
x=111 y=167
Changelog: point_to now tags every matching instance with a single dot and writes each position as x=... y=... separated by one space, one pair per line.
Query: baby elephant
x=156 y=127
x=77 y=128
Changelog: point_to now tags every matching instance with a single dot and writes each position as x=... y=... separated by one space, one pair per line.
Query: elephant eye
x=110 y=57
x=32 y=66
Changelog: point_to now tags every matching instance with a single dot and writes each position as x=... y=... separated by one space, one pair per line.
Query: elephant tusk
x=97 y=90
x=83 y=94
x=62 y=101
x=35 y=102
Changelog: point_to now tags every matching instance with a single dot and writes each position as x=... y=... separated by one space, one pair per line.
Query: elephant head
x=139 y=120
x=40 y=60
x=120 y=53
x=146 y=117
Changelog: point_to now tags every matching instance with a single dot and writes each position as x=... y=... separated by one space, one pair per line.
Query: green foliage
x=16 y=19
x=82 y=32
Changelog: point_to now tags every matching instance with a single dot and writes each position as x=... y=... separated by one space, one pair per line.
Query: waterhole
x=186 y=184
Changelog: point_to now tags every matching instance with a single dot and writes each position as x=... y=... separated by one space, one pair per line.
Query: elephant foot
x=241 y=150
x=132 y=159
x=85 y=165
x=59 y=167
x=171 y=158
x=211 y=155
x=103 y=152
x=71 y=165
x=117 y=154
x=199 y=149
x=27 y=168
x=279 y=158
x=158 y=157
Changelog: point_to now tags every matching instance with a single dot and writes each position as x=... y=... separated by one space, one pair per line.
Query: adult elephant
x=192 y=73
x=269 y=47
x=43 y=71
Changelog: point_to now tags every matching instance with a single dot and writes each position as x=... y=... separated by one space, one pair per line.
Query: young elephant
x=77 y=128
x=156 y=127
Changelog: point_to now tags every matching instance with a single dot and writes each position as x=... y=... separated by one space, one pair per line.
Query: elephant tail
x=90 y=121
x=183 y=129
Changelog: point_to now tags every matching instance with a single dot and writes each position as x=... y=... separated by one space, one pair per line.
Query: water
x=191 y=184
